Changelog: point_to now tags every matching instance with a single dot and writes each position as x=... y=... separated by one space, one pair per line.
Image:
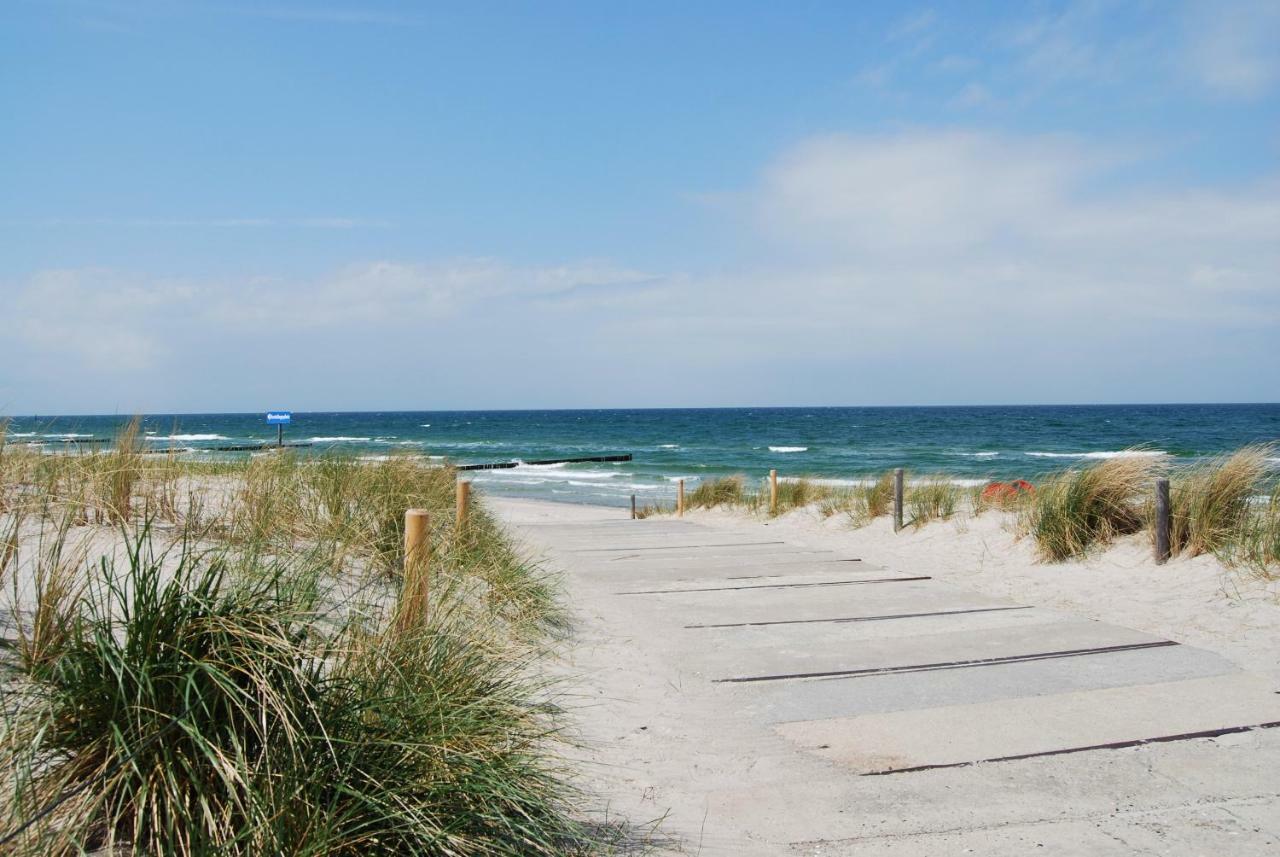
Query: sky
x=234 y=206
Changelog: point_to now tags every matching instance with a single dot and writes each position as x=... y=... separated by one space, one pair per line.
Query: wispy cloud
x=1235 y=46
x=1024 y=266
x=205 y=223
x=323 y=14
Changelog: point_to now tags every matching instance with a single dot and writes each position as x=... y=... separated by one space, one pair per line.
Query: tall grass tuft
x=1079 y=509
x=185 y=709
x=932 y=498
x=1256 y=543
x=724 y=491
x=878 y=496
x=1210 y=504
x=120 y=470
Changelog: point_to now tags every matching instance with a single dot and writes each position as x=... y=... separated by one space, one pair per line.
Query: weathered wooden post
x=680 y=498
x=633 y=507
x=413 y=591
x=773 y=492
x=463 y=504
x=1163 y=547
x=897 y=499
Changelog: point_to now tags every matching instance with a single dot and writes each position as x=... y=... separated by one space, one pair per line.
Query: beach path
x=762 y=695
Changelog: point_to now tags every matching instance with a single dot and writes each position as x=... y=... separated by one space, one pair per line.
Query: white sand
x=660 y=741
x=1199 y=601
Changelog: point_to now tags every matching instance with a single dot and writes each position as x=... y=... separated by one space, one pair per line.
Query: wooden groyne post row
x=1163 y=546
x=773 y=492
x=897 y=498
x=417 y=549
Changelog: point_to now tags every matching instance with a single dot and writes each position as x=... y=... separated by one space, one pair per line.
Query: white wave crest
x=1122 y=453
x=788 y=449
x=336 y=439
x=196 y=437
x=978 y=454
x=668 y=446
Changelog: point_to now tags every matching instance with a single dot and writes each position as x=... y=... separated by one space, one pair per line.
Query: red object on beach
x=1007 y=490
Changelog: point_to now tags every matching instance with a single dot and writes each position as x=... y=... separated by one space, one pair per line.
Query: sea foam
x=788 y=449
x=1122 y=453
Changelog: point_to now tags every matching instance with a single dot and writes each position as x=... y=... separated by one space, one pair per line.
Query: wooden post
x=1163 y=547
x=413 y=591
x=463 y=504
x=897 y=499
x=633 y=507
x=680 y=498
x=773 y=492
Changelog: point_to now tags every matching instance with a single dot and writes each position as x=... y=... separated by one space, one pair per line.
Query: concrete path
x=761 y=696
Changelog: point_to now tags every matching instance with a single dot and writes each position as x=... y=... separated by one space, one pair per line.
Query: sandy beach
x=728 y=772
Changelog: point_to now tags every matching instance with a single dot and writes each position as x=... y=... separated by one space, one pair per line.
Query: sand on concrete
x=774 y=768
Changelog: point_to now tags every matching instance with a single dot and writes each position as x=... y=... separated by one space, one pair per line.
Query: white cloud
x=917 y=266
x=113 y=323
x=972 y=95
x=937 y=226
x=1235 y=46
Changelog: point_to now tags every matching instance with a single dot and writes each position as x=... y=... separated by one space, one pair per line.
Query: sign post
x=279 y=419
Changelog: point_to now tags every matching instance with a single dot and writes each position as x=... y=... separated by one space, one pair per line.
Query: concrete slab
x=742 y=565
x=685 y=556
x=657 y=739
x=958 y=734
x=824 y=649
x=776 y=702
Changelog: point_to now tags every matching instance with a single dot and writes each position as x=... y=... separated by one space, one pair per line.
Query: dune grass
x=931 y=498
x=724 y=491
x=1075 y=511
x=1256 y=542
x=234 y=683
x=1209 y=504
x=209 y=715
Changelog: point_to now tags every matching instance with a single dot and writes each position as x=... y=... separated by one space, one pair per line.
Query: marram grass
x=1209 y=504
x=208 y=716
x=235 y=684
x=1076 y=511
x=1219 y=507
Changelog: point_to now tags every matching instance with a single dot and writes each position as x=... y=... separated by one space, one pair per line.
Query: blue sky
x=228 y=206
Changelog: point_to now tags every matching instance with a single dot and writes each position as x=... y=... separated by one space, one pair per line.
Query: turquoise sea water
x=846 y=444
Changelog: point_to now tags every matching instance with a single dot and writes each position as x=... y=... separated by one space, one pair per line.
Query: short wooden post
x=897 y=499
x=773 y=492
x=463 y=503
x=413 y=591
x=680 y=498
x=633 y=507
x=1163 y=547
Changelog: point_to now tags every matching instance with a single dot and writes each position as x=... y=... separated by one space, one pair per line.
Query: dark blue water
x=969 y=443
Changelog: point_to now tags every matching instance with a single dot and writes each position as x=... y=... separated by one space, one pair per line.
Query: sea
x=846 y=445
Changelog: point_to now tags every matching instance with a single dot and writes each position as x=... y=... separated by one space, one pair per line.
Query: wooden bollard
x=773 y=492
x=680 y=498
x=633 y=507
x=897 y=499
x=1163 y=521
x=463 y=504
x=417 y=547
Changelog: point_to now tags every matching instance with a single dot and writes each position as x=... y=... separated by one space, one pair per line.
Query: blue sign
x=279 y=418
